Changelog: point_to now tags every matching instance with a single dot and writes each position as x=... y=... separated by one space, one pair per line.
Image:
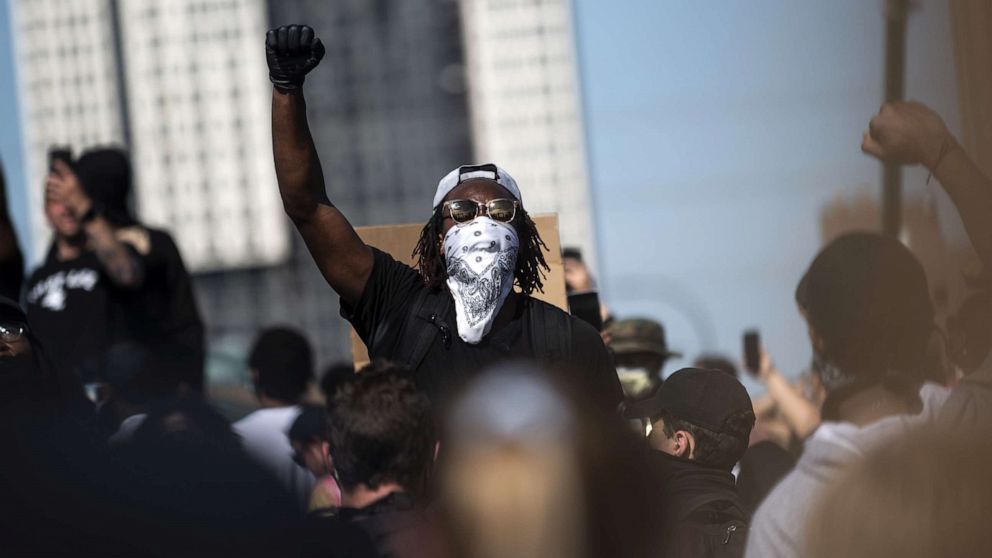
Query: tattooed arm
x=122 y=265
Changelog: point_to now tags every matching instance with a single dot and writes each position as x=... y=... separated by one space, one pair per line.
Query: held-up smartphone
x=752 y=351
x=59 y=153
x=585 y=306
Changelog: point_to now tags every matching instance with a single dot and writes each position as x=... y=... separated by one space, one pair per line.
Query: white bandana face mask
x=480 y=256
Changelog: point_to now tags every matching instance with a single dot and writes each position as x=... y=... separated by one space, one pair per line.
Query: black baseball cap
x=700 y=397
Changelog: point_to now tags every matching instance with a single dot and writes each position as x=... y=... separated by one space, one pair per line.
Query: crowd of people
x=489 y=423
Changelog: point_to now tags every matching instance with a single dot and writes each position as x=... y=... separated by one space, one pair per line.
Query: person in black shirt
x=11 y=259
x=701 y=421
x=459 y=310
x=381 y=436
x=107 y=278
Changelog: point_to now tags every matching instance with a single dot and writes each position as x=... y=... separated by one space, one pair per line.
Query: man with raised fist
x=459 y=311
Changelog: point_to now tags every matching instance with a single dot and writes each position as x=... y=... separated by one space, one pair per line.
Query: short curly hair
x=381 y=430
x=715 y=449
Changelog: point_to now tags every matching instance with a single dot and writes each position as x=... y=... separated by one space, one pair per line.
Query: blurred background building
x=408 y=90
x=722 y=146
x=69 y=90
x=526 y=108
x=183 y=85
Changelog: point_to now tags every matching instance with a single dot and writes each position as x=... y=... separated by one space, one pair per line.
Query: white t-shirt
x=126 y=429
x=778 y=529
x=264 y=436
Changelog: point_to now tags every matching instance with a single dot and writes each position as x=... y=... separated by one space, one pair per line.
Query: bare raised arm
x=910 y=133
x=344 y=260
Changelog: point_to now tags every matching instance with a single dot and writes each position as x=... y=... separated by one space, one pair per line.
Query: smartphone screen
x=585 y=306
x=58 y=154
x=752 y=351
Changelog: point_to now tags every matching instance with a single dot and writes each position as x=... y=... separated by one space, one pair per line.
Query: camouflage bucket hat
x=639 y=335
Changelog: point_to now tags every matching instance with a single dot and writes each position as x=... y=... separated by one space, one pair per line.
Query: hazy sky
x=10 y=142
x=716 y=133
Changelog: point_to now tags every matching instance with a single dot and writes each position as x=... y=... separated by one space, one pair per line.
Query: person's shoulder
x=245 y=420
x=270 y=416
x=46 y=269
x=160 y=236
x=537 y=305
x=381 y=257
x=333 y=535
x=586 y=338
x=37 y=273
x=250 y=422
x=387 y=270
x=777 y=527
x=790 y=498
x=48 y=264
x=580 y=328
x=583 y=331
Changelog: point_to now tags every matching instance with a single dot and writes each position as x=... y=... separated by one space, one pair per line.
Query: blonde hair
x=514 y=500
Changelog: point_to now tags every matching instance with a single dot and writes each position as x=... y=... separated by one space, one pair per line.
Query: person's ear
x=325 y=455
x=815 y=339
x=685 y=444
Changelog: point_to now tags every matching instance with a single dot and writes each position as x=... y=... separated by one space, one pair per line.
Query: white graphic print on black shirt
x=51 y=291
x=68 y=310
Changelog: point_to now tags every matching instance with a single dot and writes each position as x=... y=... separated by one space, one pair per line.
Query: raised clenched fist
x=907 y=133
x=291 y=51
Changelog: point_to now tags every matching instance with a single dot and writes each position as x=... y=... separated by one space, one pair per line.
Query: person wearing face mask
x=866 y=302
x=700 y=421
x=27 y=378
x=640 y=351
x=458 y=312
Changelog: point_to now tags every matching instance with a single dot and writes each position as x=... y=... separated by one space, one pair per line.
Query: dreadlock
x=531 y=266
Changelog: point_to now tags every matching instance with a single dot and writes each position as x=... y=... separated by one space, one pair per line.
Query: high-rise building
x=183 y=85
x=388 y=108
x=68 y=87
x=388 y=113
x=408 y=90
x=526 y=108
x=198 y=103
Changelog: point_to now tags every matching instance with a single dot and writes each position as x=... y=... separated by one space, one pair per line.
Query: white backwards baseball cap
x=488 y=171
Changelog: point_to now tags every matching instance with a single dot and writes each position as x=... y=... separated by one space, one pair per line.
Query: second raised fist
x=291 y=52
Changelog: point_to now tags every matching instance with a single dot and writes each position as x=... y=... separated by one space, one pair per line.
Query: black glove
x=291 y=51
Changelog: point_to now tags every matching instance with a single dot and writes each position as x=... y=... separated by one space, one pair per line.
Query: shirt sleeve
x=590 y=354
x=386 y=300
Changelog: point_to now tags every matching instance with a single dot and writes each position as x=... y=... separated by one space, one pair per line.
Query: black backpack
x=715 y=528
x=550 y=329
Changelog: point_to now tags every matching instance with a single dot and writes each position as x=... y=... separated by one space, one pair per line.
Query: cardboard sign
x=400 y=240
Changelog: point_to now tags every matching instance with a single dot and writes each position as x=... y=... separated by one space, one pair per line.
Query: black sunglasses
x=10 y=332
x=464 y=211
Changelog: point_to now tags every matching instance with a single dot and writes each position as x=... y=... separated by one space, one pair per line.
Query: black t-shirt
x=12 y=275
x=392 y=527
x=77 y=312
x=163 y=310
x=68 y=310
x=386 y=304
